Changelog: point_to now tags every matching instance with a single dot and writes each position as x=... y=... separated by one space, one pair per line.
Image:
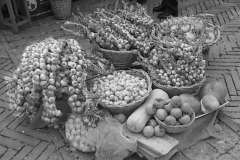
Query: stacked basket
x=61 y=8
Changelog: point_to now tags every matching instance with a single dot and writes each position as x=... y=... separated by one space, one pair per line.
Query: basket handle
x=80 y=24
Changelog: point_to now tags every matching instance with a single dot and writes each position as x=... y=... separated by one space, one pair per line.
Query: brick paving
x=18 y=141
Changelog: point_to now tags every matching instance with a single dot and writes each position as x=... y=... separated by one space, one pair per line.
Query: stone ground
x=18 y=141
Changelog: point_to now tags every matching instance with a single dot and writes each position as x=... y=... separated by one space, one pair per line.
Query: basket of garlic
x=123 y=90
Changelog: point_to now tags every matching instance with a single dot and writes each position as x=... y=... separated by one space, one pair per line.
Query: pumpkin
x=139 y=118
x=214 y=88
x=195 y=104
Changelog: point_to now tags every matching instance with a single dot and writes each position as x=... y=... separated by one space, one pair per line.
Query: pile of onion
x=49 y=69
x=120 y=88
x=78 y=134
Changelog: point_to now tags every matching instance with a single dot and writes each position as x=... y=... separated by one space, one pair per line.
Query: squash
x=139 y=118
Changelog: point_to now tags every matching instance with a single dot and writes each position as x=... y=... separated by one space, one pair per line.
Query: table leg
x=12 y=16
x=15 y=9
x=1 y=19
x=27 y=12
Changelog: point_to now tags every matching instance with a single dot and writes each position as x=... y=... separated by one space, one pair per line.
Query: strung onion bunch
x=128 y=28
x=169 y=68
x=49 y=70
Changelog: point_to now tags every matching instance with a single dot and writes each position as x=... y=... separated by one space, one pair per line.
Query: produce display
x=176 y=61
x=171 y=52
x=49 y=70
x=175 y=112
x=120 y=88
x=189 y=29
x=178 y=66
x=139 y=118
x=125 y=29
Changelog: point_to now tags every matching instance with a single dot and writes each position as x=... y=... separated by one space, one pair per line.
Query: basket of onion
x=123 y=90
x=175 y=70
x=190 y=29
x=174 y=116
x=118 y=34
x=119 y=58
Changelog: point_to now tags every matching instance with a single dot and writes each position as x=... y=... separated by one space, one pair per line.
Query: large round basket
x=61 y=8
x=174 y=91
x=119 y=59
x=175 y=129
x=130 y=107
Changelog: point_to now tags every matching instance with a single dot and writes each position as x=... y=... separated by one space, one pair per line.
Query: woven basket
x=218 y=35
x=61 y=8
x=119 y=59
x=130 y=107
x=174 y=91
x=175 y=129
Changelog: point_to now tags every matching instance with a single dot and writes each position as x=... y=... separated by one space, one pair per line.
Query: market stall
x=141 y=90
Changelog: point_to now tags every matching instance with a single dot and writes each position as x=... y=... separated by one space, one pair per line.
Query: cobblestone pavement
x=18 y=141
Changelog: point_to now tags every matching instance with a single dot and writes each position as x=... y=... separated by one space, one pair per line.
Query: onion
x=185 y=28
x=199 y=27
x=190 y=36
x=210 y=37
x=174 y=27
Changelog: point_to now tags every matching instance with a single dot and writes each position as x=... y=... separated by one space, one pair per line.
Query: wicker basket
x=217 y=35
x=175 y=129
x=130 y=107
x=119 y=59
x=173 y=91
x=61 y=8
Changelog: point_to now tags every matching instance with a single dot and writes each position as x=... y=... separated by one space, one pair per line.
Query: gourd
x=139 y=118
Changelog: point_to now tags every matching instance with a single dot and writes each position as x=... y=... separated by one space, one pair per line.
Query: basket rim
x=149 y=83
x=183 y=87
x=216 y=39
x=193 y=117
x=97 y=47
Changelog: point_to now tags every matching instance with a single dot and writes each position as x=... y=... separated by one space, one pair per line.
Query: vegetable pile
x=120 y=88
x=77 y=134
x=172 y=111
x=49 y=70
x=176 y=59
x=124 y=29
x=189 y=30
x=177 y=66
x=153 y=129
